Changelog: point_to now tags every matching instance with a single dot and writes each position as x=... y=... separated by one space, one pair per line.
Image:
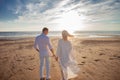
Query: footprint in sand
x=118 y=57
x=84 y=57
x=30 y=68
x=101 y=54
x=114 y=57
x=96 y=60
x=83 y=72
x=82 y=63
x=111 y=58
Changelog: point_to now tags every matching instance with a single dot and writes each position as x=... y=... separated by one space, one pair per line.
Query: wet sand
x=98 y=59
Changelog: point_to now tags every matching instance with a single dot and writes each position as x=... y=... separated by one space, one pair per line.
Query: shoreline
x=80 y=37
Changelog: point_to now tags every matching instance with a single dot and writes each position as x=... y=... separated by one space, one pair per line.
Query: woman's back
x=64 y=50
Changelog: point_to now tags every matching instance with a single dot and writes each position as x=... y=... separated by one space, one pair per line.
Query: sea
x=83 y=34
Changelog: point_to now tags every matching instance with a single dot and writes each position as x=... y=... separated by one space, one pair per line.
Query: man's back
x=42 y=43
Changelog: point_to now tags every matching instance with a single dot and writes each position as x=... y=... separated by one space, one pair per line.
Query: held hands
x=56 y=58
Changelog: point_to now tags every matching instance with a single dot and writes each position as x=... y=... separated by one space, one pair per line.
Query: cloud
x=49 y=12
x=99 y=9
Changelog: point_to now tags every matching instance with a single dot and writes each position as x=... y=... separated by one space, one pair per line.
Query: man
x=43 y=45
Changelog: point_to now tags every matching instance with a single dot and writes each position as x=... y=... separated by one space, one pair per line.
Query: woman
x=68 y=65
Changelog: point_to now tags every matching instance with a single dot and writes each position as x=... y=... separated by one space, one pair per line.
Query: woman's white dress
x=67 y=63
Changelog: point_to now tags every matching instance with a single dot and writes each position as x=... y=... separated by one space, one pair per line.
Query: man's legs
x=47 y=67
x=41 y=66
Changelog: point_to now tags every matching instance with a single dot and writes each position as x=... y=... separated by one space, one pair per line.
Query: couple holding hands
x=64 y=55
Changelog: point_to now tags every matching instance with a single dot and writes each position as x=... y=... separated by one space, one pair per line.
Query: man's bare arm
x=52 y=52
x=56 y=58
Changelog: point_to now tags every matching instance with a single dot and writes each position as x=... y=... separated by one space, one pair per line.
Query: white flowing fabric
x=68 y=64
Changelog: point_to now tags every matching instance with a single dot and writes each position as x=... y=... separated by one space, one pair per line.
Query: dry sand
x=98 y=59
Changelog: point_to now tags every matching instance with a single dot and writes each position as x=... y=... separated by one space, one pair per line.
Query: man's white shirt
x=42 y=42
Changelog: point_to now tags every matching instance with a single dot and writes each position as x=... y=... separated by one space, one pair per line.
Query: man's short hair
x=44 y=29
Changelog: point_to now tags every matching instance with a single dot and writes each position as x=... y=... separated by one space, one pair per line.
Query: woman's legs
x=64 y=73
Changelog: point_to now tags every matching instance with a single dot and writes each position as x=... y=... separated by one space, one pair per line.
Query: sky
x=57 y=15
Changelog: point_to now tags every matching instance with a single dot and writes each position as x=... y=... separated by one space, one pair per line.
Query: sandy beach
x=98 y=59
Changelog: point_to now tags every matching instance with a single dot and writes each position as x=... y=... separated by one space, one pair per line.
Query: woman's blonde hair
x=66 y=34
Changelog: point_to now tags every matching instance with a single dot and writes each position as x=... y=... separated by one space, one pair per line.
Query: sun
x=71 y=21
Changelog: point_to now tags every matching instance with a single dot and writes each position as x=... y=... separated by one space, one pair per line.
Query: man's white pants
x=45 y=59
